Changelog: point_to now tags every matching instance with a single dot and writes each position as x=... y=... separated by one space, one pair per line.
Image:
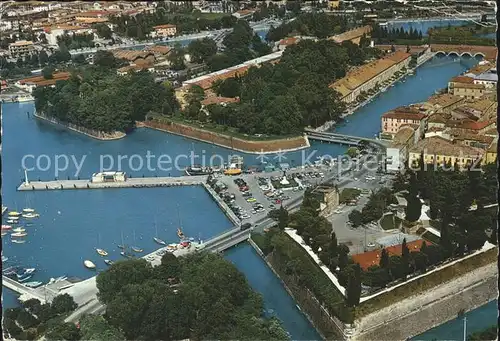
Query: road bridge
x=341 y=138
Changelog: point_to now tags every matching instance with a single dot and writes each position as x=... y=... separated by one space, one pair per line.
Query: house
x=465 y=87
x=352 y=35
x=32 y=83
x=135 y=57
x=439 y=151
x=397 y=151
x=368 y=76
x=489 y=79
x=284 y=43
x=393 y=120
x=329 y=197
x=21 y=48
x=52 y=32
x=134 y=68
x=164 y=31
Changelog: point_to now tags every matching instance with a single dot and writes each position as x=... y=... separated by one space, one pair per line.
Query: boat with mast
x=121 y=246
x=27 y=209
x=101 y=252
x=125 y=253
x=180 y=234
x=155 y=238
x=135 y=248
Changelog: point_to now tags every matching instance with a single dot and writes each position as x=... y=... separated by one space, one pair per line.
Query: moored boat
x=4 y=259
x=12 y=221
x=4 y=233
x=19 y=229
x=28 y=210
x=6 y=227
x=18 y=241
x=137 y=249
x=159 y=241
x=108 y=262
x=24 y=279
x=101 y=252
x=34 y=284
x=89 y=265
x=180 y=234
x=120 y=246
x=14 y=214
x=198 y=170
x=19 y=234
x=30 y=215
x=126 y=254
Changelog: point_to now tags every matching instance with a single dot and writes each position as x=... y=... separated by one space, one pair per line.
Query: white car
x=371 y=245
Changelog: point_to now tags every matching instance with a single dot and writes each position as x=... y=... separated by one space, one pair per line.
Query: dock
x=128 y=183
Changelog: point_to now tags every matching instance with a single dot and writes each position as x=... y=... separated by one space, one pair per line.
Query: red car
x=277 y=202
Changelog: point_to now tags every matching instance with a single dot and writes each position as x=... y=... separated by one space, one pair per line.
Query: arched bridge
x=488 y=52
x=341 y=138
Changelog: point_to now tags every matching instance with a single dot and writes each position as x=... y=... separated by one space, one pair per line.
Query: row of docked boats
x=13 y=219
x=21 y=275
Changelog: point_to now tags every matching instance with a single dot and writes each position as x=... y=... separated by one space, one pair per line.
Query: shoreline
x=90 y=133
x=212 y=136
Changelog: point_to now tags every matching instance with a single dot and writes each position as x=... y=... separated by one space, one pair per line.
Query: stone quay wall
x=429 y=309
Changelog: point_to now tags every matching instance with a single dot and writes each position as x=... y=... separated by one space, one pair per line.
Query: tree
x=356 y=218
x=103 y=30
x=384 y=259
x=171 y=266
x=405 y=258
x=106 y=59
x=62 y=304
x=63 y=331
x=353 y=291
x=343 y=256
x=352 y=152
x=95 y=327
x=201 y=50
x=47 y=72
x=283 y=218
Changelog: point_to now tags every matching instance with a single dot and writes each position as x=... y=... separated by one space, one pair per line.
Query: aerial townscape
x=249 y=170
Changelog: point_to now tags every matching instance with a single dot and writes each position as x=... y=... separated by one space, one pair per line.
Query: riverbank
x=98 y=135
x=227 y=141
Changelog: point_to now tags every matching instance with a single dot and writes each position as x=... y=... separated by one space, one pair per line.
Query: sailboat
x=18 y=241
x=180 y=234
x=108 y=262
x=125 y=253
x=101 y=252
x=19 y=229
x=135 y=248
x=156 y=239
x=28 y=209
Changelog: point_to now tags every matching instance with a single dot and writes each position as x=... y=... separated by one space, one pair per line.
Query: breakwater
x=226 y=141
x=99 y=135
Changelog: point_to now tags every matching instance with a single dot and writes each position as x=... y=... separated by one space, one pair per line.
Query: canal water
x=73 y=223
x=424 y=25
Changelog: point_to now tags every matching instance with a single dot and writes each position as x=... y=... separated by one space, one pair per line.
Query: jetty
x=127 y=183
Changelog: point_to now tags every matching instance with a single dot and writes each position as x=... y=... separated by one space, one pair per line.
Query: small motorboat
x=4 y=233
x=159 y=241
x=121 y=246
x=6 y=227
x=108 y=262
x=34 y=284
x=28 y=210
x=19 y=234
x=101 y=252
x=136 y=249
x=89 y=265
x=18 y=241
x=14 y=214
x=24 y=279
x=4 y=259
x=61 y=278
x=12 y=221
x=30 y=215
x=126 y=254
x=19 y=229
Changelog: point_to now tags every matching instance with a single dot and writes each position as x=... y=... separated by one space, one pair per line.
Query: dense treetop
x=95 y=97
x=199 y=297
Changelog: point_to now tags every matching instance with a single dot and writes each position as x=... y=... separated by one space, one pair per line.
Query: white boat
x=101 y=252
x=24 y=279
x=6 y=227
x=19 y=229
x=34 y=284
x=12 y=221
x=28 y=210
x=29 y=270
x=19 y=234
x=89 y=265
x=30 y=215
x=4 y=259
x=18 y=241
x=14 y=214
x=4 y=233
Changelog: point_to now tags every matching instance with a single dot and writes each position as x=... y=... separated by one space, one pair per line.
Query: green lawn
x=348 y=194
x=390 y=222
x=213 y=15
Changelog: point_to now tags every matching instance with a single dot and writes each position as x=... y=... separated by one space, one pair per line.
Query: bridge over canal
x=342 y=138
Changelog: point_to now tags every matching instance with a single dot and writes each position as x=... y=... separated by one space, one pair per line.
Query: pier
x=128 y=183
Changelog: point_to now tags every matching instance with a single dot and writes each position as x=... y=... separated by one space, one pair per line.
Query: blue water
x=477 y=320
x=424 y=25
x=277 y=302
x=73 y=223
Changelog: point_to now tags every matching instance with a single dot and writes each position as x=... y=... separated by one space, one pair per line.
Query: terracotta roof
x=364 y=73
x=130 y=55
x=207 y=83
x=491 y=132
x=159 y=27
x=469 y=86
x=474 y=137
x=160 y=49
x=289 y=41
x=444 y=100
x=437 y=118
x=39 y=79
x=436 y=145
x=367 y=259
x=404 y=115
x=402 y=136
x=94 y=13
x=219 y=100
x=352 y=34
x=469 y=124
x=434 y=129
x=462 y=79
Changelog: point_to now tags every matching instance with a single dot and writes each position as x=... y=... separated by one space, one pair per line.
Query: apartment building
x=367 y=76
x=52 y=32
x=21 y=48
x=440 y=151
x=393 y=120
x=465 y=87
x=397 y=152
x=165 y=31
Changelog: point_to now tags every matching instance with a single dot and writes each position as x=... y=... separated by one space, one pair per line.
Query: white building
x=489 y=79
x=397 y=152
